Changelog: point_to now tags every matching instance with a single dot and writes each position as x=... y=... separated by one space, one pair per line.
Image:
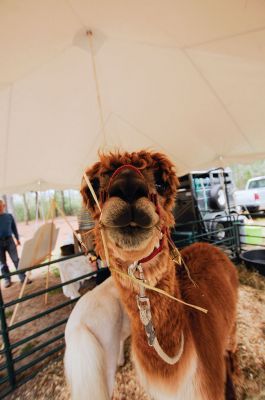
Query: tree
x=26 y=209
x=37 y=205
x=8 y=199
x=63 y=201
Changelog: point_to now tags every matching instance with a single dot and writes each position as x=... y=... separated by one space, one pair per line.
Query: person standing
x=7 y=244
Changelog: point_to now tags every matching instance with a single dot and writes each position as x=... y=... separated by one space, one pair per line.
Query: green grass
x=55 y=291
x=29 y=346
x=56 y=272
x=9 y=313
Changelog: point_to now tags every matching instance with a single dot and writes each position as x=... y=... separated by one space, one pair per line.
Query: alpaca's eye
x=160 y=187
x=95 y=184
x=160 y=184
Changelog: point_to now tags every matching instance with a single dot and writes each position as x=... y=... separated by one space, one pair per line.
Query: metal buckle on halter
x=132 y=269
x=150 y=333
x=176 y=255
x=143 y=304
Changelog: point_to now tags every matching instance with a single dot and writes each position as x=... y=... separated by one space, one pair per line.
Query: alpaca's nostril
x=128 y=186
x=140 y=190
x=116 y=191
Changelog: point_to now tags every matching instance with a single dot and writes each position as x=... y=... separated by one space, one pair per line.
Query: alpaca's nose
x=128 y=185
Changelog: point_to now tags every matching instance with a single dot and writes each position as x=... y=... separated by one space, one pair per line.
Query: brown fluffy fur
x=208 y=337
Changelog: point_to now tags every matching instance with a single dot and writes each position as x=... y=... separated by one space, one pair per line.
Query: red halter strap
x=155 y=251
x=122 y=167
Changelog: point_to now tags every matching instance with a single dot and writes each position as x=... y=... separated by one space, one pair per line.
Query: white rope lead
x=164 y=356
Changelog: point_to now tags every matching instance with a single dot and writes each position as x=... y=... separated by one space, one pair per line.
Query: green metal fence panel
x=6 y=344
x=19 y=368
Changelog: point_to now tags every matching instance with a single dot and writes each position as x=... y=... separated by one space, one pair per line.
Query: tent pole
x=52 y=209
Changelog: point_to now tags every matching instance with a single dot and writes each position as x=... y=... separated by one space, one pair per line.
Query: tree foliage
x=243 y=172
x=24 y=206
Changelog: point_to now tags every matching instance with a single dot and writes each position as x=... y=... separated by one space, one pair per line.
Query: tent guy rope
x=95 y=76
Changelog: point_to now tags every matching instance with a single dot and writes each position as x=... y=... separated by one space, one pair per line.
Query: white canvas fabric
x=183 y=77
x=71 y=269
x=40 y=246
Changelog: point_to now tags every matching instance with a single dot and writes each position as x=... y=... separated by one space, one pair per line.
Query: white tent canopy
x=183 y=77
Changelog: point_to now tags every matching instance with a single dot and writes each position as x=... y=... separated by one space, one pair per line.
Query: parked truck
x=253 y=197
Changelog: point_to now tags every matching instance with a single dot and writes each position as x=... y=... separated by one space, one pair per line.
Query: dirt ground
x=50 y=383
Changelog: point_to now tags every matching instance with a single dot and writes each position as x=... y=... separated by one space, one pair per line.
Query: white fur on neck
x=187 y=390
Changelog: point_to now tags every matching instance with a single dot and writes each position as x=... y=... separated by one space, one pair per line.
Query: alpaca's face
x=136 y=193
x=128 y=215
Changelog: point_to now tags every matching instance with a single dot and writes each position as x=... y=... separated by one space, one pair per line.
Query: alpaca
x=136 y=194
x=94 y=336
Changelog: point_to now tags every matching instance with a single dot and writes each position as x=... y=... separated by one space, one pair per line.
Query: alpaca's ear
x=166 y=180
x=88 y=199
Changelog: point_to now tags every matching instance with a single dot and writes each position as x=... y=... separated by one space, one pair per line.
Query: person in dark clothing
x=7 y=244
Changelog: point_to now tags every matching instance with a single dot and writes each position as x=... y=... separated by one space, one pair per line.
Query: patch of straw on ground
x=251 y=278
x=250 y=376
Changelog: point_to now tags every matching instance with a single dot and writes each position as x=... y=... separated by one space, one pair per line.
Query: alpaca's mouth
x=133 y=230
x=130 y=226
x=153 y=252
x=130 y=236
